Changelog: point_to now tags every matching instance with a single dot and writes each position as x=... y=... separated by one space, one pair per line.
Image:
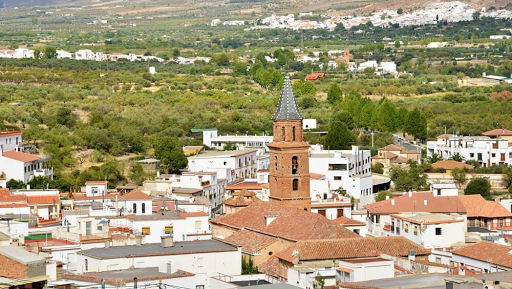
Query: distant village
x=275 y=212
x=433 y=13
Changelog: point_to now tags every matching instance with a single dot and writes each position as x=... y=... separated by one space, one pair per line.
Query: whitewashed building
x=483 y=149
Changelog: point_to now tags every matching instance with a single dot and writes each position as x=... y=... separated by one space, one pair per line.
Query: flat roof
x=150 y=272
x=218 y=154
x=18 y=254
x=427 y=218
x=146 y=250
x=406 y=281
x=444 y=186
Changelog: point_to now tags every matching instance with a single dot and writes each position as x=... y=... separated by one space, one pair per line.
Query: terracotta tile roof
x=250 y=241
x=43 y=200
x=348 y=222
x=351 y=248
x=245 y=185
x=450 y=165
x=477 y=206
x=330 y=204
x=9 y=132
x=290 y=223
x=89 y=183
x=6 y=197
x=136 y=195
x=22 y=157
x=193 y=214
x=315 y=76
x=14 y=205
x=498 y=132
x=415 y=203
x=391 y=147
x=239 y=198
x=445 y=136
x=487 y=252
x=270 y=267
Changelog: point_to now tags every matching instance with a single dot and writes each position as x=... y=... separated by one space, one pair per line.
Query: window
x=438 y=260
x=406 y=228
x=295 y=184
x=293 y=133
x=472 y=155
x=86 y=265
x=134 y=208
x=143 y=208
x=438 y=231
x=415 y=230
x=340 y=213
x=283 y=132
x=295 y=165
x=493 y=155
x=169 y=229
x=198 y=225
x=275 y=162
x=337 y=178
x=146 y=230
x=321 y=212
x=199 y=286
x=337 y=167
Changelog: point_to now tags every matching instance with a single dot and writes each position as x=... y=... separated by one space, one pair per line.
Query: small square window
x=438 y=231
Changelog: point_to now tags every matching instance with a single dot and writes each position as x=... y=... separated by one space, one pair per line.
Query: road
x=406 y=144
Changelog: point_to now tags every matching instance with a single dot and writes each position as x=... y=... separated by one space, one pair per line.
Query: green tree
x=346 y=118
x=137 y=174
x=397 y=44
x=479 y=186
x=248 y=267
x=416 y=124
x=334 y=94
x=339 y=137
x=170 y=153
x=457 y=157
x=459 y=176
x=40 y=182
x=434 y=158
x=400 y=11
x=15 y=184
x=319 y=282
x=507 y=177
x=308 y=102
x=381 y=196
x=176 y=52
x=50 y=52
x=229 y=146
x=378 y=168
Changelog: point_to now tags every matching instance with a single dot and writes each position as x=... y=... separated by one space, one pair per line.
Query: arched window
x=295 y=165
x=295 y=185
x=293 y=130
x=283 y=133
x=143 y=208
x=134 y=208
x=275 y=162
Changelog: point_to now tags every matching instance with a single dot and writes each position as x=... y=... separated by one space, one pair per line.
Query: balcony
x=43 y=172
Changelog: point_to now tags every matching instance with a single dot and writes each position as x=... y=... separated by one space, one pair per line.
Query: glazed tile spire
x=287 y=108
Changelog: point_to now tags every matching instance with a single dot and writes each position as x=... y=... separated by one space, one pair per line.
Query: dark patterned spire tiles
x=287 y=108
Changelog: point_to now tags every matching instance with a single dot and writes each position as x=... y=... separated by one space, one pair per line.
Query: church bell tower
x=289 y=154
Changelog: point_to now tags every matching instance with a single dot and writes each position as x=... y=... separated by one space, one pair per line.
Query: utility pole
x=372 y=139
x=302 y=40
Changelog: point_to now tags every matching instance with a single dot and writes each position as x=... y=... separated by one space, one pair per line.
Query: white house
x=368 y=64
x=482 y=257
x=205 y=259
x=429 y=230
x=444 y=189
x=61 y=54
x=364 y=270
x=24 y=167
x=345 y=169
x=85 y=54
x=241 y=164
x=387 y=67
x=96 y=189
x=11 y=140
x=485 y=150
x=211 y=186
x=211 y=138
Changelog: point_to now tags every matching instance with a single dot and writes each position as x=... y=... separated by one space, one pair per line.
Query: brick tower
x=289 y=155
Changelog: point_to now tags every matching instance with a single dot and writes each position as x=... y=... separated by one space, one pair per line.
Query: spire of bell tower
x=287 y=108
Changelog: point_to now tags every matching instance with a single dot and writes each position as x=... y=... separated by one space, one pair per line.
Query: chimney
x=107 y=244
x=269 y=219
x=28 y=187
x=410 y=194
x=392 y=202
x=387 y=197
x=138 y=240
x=167 y=241
x=425 y=202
